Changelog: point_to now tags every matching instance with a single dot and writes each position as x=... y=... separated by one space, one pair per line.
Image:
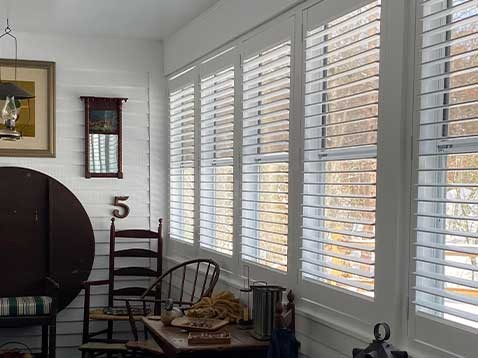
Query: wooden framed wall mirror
x=103 y=137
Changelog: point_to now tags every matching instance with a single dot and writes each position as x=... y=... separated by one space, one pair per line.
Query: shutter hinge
x=444 y=147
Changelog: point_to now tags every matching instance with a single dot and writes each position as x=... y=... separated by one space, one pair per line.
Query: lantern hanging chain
x=8 y=32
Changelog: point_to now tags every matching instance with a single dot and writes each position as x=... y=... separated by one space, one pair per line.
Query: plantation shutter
x=265 y=156
x=340 y=150
x=446 y=246
x=181 y=151
x=217 y=140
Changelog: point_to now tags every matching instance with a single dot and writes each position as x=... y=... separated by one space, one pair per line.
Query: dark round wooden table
x=44 y=231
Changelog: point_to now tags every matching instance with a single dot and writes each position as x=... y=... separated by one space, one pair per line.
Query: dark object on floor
x=45 y=262
x=379 y=348
x=105 y=337
x=283 y=342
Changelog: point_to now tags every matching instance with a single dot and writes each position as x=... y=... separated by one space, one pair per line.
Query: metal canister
x=265 y=299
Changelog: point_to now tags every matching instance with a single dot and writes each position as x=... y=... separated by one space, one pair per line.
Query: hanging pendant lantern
x=12 y=93
x=9 y=114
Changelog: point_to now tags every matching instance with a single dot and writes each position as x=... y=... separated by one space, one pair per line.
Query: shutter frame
x=182 y=160
x=338 y=225
x=217 y=148
x=445 y=242
x=265 y=146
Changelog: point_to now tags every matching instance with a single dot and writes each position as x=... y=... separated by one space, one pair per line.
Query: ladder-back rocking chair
x=116 y=312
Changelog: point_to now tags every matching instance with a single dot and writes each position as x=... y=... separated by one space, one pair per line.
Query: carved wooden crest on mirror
x=103 y=137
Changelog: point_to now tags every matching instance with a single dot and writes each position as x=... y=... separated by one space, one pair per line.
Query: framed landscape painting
x=36 y=121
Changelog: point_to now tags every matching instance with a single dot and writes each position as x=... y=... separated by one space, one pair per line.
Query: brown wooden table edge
x=173 y=351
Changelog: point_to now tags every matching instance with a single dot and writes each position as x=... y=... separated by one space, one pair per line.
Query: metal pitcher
x=265 y=299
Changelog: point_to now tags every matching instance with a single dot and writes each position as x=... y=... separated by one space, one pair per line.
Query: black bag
x=283 y=344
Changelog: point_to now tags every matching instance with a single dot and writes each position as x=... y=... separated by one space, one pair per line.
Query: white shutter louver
x=181 y=156
x=446 y=246
x=265 y=156
x=217 y=139
x=340 y=131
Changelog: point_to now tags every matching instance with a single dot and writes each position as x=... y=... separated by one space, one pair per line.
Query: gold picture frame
x=37 y=117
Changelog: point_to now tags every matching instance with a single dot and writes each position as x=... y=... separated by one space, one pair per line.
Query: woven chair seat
x=98 y=314
x=25 y=306
x=148 y=346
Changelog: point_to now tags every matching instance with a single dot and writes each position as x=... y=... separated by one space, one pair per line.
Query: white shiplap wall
x=101 y=67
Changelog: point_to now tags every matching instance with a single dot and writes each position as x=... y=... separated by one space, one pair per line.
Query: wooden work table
x=174 y=342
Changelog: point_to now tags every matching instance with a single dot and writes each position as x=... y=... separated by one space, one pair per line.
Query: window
x=340 y=150
x=217 y=139
x=306 y=173
x=265 y=156
x=181 y=171
x=446 y=246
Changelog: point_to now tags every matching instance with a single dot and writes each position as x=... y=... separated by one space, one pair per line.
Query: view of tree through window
x=181 y=168
x=340 y=149
x=265 y=164
x=447 y=213
x=217 y=140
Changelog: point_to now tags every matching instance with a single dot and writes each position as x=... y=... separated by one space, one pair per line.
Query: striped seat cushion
x=25 y=306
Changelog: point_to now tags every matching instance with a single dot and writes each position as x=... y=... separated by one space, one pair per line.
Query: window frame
x=339 y=153
x=188 y=77
x=427 y=333
x=226 y=58
x=259 y=41
x=347 y=307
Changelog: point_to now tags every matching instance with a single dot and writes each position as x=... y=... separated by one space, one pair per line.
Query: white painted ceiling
x=147 y=19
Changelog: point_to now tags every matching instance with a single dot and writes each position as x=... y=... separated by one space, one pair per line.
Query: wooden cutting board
x=199 y=324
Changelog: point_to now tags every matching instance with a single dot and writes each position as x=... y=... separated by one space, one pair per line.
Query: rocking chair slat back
x=182 y=283
x=137 y=234
x=205 y=280
x=195 y=281
x=135 y=253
